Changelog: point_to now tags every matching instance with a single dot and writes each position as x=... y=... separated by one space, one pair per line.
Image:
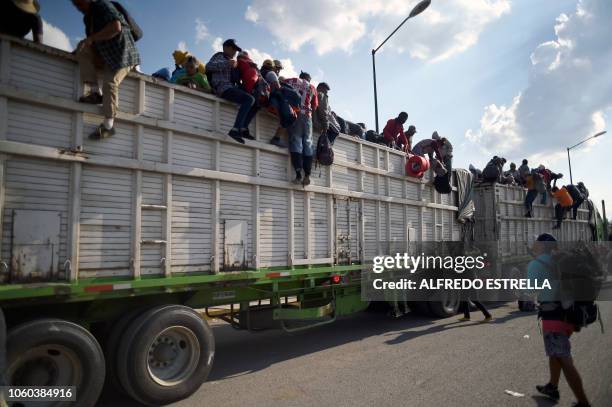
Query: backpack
x=261 y=92
x=134 y=27
x=325 y=152
x=580 y=266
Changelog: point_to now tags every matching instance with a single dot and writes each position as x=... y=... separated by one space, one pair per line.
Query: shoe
x=579 y=404
x=276 y=141
x=528 y=215
x=488 y=319
x=464 y=319
x=245 y=133
x=101 y=132
x=93 y=98
x=549 y=391
x=298 y=179
x=557 y=227
x=235 y=134
x=306 y=181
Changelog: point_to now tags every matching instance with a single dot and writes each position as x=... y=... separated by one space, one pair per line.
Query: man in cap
x=300 y=132
x=108 y=49
x=220 y=68
x=20 y=17
x=555 y=328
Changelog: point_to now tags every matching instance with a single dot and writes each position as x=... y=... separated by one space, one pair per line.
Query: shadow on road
x=240 y=353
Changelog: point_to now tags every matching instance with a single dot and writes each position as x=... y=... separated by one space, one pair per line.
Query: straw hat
x=28 y=6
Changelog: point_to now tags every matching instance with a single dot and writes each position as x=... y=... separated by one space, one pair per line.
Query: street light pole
x=418 y=9
x=569 y=161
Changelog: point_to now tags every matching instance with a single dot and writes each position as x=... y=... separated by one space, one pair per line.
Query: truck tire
x=167 y=354
x=53 y=352
x=111 y=347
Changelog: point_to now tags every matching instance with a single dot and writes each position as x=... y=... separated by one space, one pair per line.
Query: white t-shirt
x=272 y=79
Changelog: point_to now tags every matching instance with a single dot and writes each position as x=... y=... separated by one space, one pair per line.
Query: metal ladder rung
x=154 y=207
x=152 y=242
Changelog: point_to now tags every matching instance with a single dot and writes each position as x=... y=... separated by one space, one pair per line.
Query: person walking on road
x=465 y=307
x=556 y=330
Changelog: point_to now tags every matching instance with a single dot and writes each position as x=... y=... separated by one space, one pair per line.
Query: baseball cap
x=278 y=64
x=546 y=237
x=232 y=43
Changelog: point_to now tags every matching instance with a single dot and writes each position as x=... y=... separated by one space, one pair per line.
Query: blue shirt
x=541 y=268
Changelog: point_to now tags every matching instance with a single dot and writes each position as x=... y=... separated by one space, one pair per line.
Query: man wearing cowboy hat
x=19 y=17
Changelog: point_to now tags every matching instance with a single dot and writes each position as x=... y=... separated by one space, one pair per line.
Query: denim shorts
x=557 y=345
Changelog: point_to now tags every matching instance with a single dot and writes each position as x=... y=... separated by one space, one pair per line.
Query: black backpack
x=134 y=27
x=325 y=152
x=581 y=267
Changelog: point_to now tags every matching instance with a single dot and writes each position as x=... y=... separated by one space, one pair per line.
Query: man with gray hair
x=109 y=50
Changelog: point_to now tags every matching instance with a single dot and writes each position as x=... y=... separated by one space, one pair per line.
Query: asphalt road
x=370 y=359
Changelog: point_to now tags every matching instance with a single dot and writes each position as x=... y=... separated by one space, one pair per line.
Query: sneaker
x=306 y=181
x=245 y=133
x=93 y=98
x=549 y=391
x=101 y=132
x=235 y=134
x=557 y=227
x=528 y=215
x=579 y=404
x=464 y=319
x=488 y=319
x=276 y=141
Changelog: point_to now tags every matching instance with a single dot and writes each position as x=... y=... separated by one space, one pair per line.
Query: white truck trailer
x=108 y=246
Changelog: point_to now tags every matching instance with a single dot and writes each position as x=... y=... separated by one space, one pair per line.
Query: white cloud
x=445 y=29
x=259 y=56
x=498 y=133
x=182 y=46
x=217 y=44
x=54 y=37
x=201 y=30
x=568 y=97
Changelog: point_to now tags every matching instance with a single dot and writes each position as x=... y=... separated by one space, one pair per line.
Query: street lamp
x=569 y=161
x=418 y=9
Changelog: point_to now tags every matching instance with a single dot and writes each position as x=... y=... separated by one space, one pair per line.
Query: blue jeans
x=300 y=136
x=247 y=109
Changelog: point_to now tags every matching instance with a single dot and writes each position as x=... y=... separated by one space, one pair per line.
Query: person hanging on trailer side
x=109 y=49
x=300 y=133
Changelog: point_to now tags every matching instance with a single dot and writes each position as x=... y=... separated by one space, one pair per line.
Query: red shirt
x=248 y=73
x=310 y=100
x=394 y=131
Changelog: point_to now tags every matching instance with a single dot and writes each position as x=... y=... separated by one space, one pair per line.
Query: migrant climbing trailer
x=108 y=247
x=500 y=222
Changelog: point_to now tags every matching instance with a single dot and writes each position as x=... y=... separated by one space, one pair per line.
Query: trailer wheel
x=53 y=352
x=445 y=308
x=111 y=347
x=168 y=353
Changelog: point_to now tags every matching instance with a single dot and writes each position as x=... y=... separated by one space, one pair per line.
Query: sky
x=514 y=78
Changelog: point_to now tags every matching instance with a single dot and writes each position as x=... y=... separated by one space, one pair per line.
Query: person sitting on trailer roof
x=191 y=77
x=393 y=133
x=564 y=204
x=409 y=135
x=110 y=49
x=583 y=189
x=20 y=17
x=516 y=176
x=523 y=172
x=494 y=170
x=221 y=68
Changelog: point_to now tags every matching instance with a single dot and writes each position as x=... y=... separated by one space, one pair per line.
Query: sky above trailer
x=515 y=78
